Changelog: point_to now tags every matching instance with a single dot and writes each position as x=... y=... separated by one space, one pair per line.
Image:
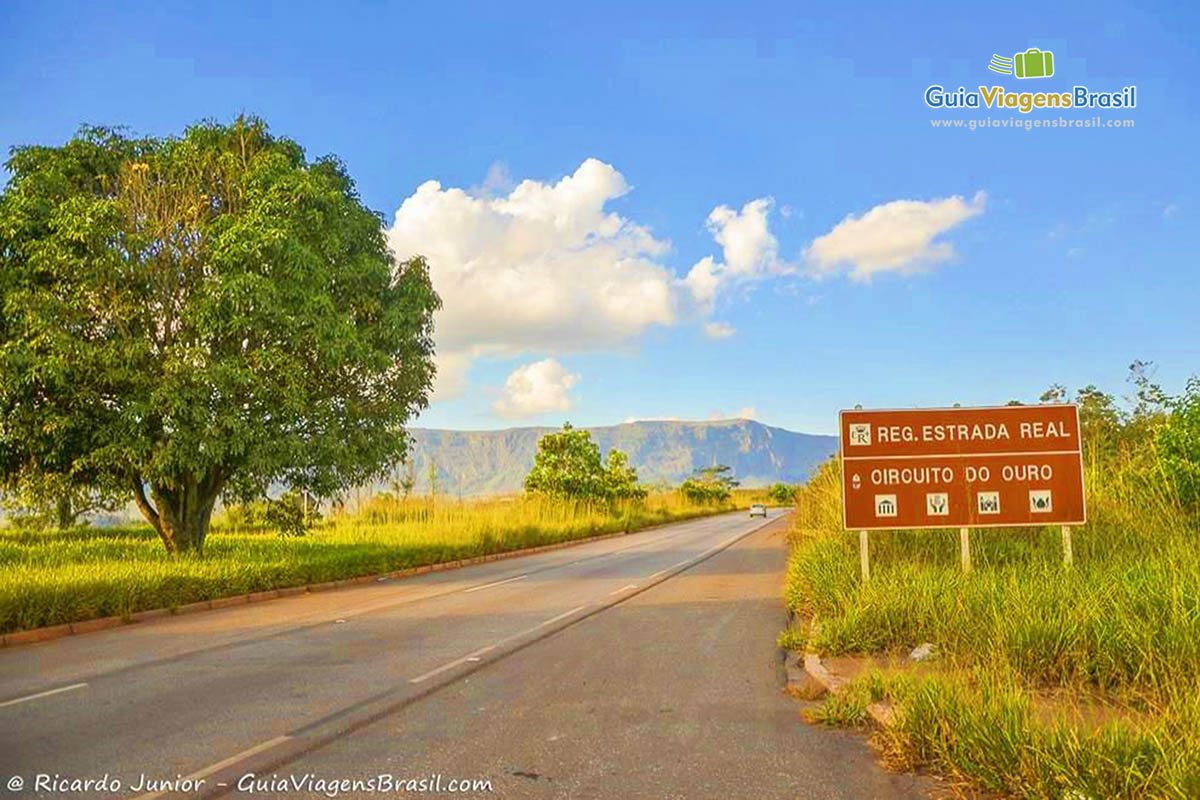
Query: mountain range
x=495 y=462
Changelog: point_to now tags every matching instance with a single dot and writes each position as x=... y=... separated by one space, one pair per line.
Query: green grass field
x=48 y=578
x=1052 y=681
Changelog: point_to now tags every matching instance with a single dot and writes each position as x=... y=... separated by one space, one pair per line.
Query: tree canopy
x=713 y=484
x=782 y=493
x=1178 y=443
x=204 y=314
x=568 y=465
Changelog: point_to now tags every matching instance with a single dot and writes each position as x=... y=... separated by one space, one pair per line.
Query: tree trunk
x=181 y=512
x=65 y=512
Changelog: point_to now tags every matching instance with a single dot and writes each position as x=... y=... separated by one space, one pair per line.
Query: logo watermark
x=1033 y=63
x=1030 y=64
x=307 y=784
x=1026 y=124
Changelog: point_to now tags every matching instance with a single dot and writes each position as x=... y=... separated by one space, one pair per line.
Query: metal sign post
x=1068 y=558
x=863 y=556
x=964 y=541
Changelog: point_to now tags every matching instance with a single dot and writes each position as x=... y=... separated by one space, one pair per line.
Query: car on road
x=758 y=510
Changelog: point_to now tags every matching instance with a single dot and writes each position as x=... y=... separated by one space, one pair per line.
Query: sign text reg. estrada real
x=962 y=467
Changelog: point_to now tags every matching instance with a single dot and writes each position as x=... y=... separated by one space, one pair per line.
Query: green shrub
x=1179 y=446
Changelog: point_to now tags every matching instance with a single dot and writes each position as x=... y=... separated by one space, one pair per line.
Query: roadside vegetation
x=52 y=576
x=713 y=484
x=1048 y=681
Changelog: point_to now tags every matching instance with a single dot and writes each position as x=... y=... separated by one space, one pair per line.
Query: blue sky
x=1078 y=257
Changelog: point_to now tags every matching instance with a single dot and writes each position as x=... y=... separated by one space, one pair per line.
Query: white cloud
x=748 y=245
x=703 y=280
x=497 y=180
x=543 y=267
x=1170 y=210
x=536 y=388
x=749 y=249
x=893 y=237
x=745 y=412
x=719 y=330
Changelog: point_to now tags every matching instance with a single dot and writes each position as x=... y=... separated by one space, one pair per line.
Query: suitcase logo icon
x=1033 y=63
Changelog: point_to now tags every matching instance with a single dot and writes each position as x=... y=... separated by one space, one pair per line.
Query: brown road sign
x=962 y=467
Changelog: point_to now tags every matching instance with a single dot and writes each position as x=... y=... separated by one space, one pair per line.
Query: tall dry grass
x=1121 y=627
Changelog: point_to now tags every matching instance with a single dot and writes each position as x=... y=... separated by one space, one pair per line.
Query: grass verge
x=50 y=578
x=1051 y=681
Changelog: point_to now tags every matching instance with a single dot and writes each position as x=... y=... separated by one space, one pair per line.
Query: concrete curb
x=808 y=666
x=36 y=635
x=816 y=670
x=798 y=681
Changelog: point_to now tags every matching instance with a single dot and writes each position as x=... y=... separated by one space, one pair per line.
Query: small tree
x=404 y=478
x=433 y=479
x=409 y=480
x=713 y=484
x=289 y=514
x=568 y=465
x=782 y=493
x=620 y=479
x=203 y=315
x=1149 y=399
x=1057 y=393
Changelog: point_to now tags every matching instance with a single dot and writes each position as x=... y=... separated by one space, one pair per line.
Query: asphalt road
x=639 y=666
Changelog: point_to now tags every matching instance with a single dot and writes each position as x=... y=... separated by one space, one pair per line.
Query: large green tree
x=203 y=314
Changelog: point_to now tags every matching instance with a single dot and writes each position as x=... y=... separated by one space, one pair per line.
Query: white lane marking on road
x=46 y=693
x=220 y=765
x=456 y=662
x=563 y=615
x=497 y=583
x=697 y=559
x=474 y=657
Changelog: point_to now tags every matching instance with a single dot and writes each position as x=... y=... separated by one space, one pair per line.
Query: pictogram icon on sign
x=989 y=502
x=860 y=434
x=937 y=504
x=1040 y=501
x=885 y=505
